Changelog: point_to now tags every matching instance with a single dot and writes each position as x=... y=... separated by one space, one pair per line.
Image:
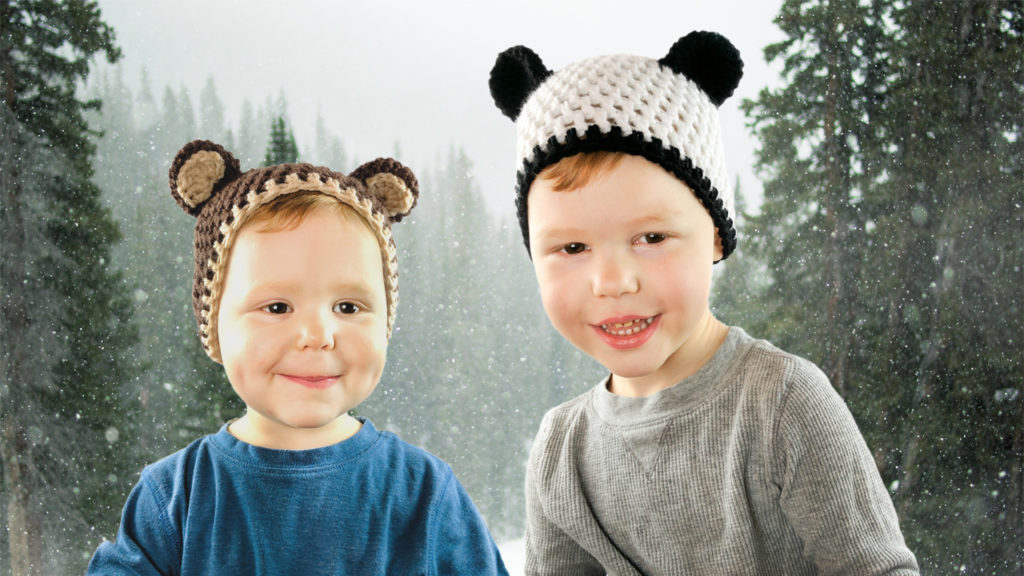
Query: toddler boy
x=705 y=451
x=295 y=293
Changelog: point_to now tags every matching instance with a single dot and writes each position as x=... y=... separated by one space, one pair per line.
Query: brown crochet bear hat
x=207 y=183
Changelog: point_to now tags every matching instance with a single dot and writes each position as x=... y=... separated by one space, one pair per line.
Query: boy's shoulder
x=402 y=453
x=558 y=417
x=760 y=358
x=223 y=451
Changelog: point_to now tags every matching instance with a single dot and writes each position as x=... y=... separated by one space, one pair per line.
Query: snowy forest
x=888 y=249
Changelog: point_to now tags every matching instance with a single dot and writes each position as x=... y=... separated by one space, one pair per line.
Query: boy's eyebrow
x=668 y=215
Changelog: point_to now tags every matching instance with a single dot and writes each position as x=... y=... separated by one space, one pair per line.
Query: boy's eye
x=346 y=308
x=574 y=248
x=653 y=238
x=277 y=308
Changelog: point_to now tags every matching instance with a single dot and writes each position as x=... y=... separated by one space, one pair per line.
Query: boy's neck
x=685 y=362
x=256 y=430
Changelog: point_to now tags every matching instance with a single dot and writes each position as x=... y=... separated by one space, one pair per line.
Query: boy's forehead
x=630 y=175
x=339 y=244
x=631 y=198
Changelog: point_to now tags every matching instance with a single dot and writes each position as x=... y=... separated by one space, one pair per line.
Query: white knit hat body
x=635 y=94
x=663 y=110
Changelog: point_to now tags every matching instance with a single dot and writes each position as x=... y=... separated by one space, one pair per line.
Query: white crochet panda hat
x=663 y=110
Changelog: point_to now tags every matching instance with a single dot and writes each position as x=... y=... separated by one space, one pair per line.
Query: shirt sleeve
x=831 y=491
x=145 y=544
x=463 y=543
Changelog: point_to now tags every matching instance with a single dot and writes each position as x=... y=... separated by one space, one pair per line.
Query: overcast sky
x=416 y=71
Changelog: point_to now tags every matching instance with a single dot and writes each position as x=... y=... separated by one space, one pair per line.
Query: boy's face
x=303 y=326
x=624 y=268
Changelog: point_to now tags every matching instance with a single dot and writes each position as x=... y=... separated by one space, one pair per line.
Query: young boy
x=705 y=451
x=295 y=293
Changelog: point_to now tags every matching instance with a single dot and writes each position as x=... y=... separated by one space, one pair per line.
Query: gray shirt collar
x=684 y=396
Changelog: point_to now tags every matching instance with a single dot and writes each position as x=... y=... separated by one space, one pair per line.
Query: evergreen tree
x=891 y=243
x=145 y=104
x=212 y=124
x=329 y=151
x=67 y=314
x=186 y=117
x=251 y=138
x=281 y=148
x=950 y=216
x=813 y=133
x=180 y=380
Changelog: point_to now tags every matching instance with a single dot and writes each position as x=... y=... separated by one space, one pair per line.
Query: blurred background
x=875 y=148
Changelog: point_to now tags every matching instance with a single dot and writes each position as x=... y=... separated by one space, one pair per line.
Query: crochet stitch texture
x=206 y=182
x=626 y=103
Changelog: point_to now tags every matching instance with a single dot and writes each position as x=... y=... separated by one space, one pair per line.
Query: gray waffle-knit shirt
x=753 y=465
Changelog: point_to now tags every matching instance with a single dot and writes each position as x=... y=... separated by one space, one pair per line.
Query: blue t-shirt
x=372 y=504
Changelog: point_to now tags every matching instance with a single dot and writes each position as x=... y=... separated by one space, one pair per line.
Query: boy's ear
x=200 y=169
x=517 y=72
x=391 y=184
x=710 y=60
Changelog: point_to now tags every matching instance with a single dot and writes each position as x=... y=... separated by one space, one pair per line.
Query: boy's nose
x=614 y=275
x=315 y=333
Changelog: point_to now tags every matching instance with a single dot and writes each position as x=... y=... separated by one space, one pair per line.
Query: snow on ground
x=513 y=552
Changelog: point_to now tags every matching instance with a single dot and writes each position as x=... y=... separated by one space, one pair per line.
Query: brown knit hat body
x=206 y=182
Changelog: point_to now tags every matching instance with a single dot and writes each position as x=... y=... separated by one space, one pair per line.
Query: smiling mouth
x=627 y=328
x=317 y=382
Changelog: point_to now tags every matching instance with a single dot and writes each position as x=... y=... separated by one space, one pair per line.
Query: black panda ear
x=200 y=169
x=517 y=72
x=710 y=60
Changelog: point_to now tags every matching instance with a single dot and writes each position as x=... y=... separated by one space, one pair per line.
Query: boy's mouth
x=627 y=328
x=627 y=333
x=316 y=382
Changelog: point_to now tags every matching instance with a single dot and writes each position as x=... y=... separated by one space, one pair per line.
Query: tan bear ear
x=392 y=184
x=199 y=170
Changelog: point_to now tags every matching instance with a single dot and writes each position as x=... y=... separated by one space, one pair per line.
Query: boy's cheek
x=544 y=270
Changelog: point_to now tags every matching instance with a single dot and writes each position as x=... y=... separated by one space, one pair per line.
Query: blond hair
x=286 y=212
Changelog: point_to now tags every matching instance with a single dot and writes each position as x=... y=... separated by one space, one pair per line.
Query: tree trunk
x=838 y=329
x=1017 y=486
x=14 y=323
x=18 y=499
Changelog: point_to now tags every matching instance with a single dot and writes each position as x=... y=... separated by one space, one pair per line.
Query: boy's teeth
x=627 y=328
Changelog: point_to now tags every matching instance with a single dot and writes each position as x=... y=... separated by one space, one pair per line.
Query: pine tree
x=145 y=104
x=212 y=125
x=67 y=314
x=251 y=139
x=329 y=151
x=950 y=214
x=892 y=242
x=813 y=132
x=186 y=116
x=281 y=148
